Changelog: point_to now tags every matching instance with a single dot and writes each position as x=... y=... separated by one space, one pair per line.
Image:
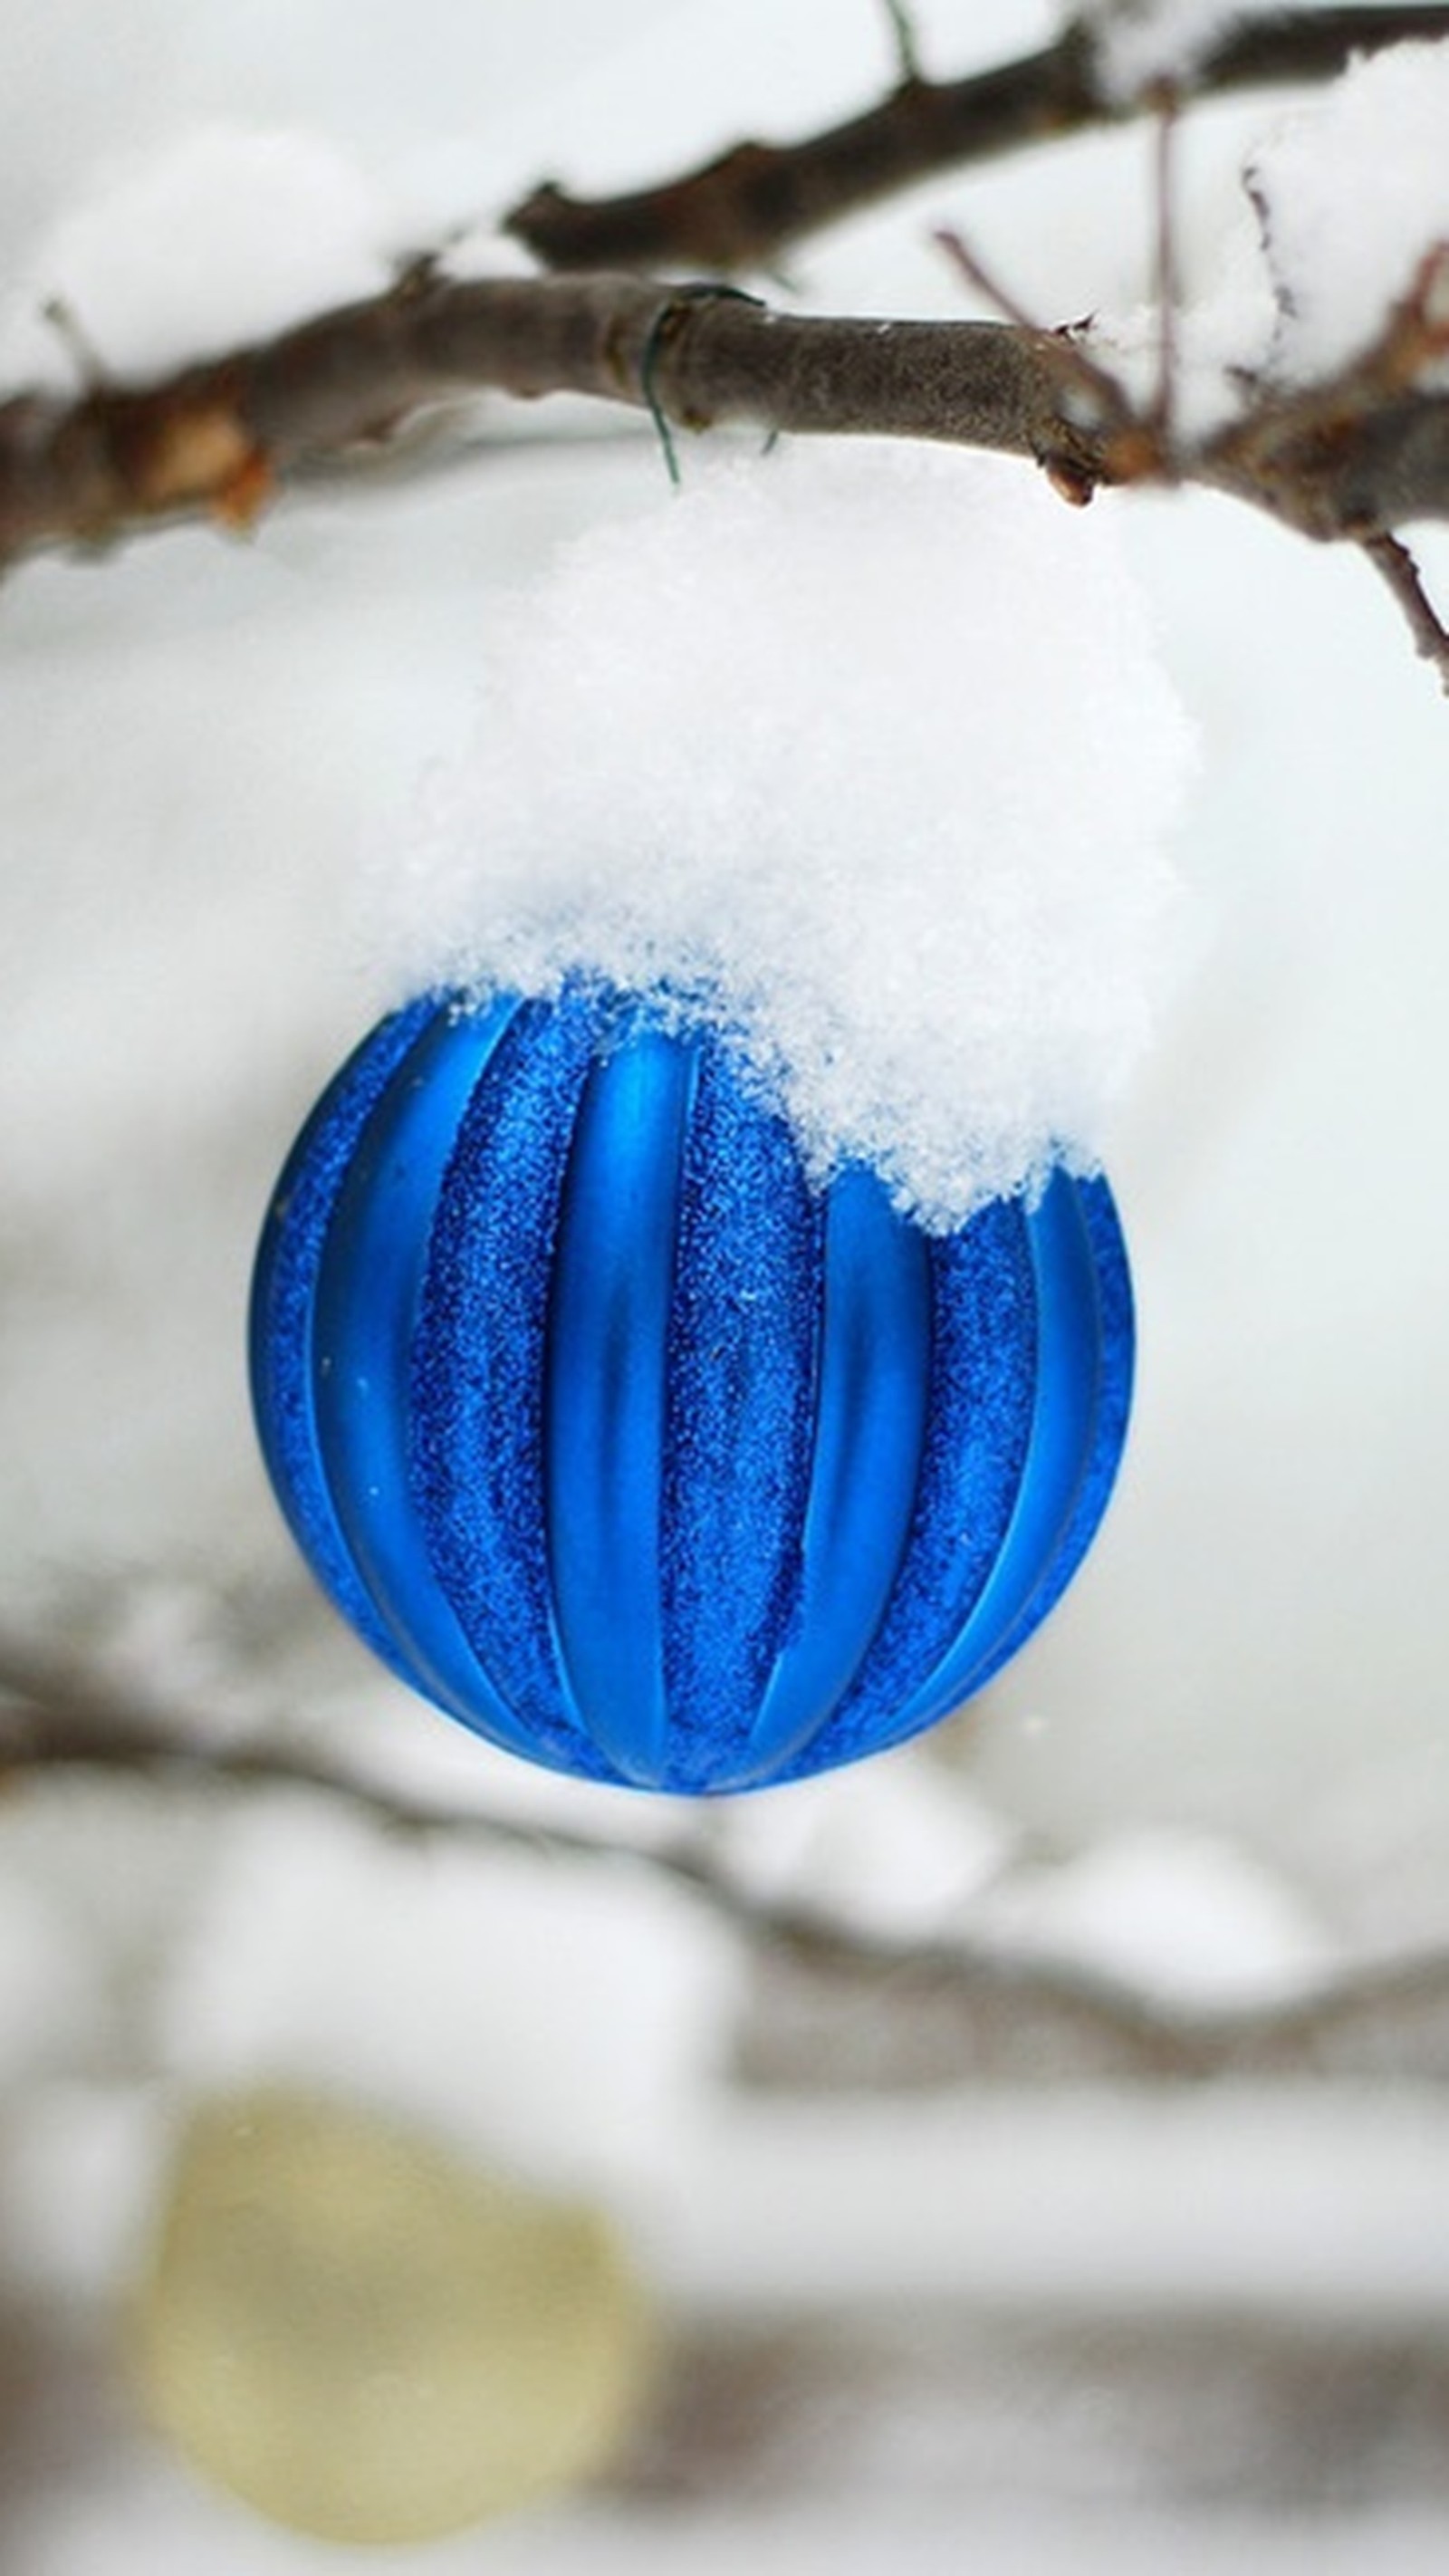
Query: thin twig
x=983 y=281
x=903 y=28
x=90 y=367
x=1167 y=289
x=1393 y=561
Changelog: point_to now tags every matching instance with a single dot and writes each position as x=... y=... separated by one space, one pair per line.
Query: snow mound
x=869 y=752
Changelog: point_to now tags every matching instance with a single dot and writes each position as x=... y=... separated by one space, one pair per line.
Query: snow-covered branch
x=60 y=1718
x=1336 y=439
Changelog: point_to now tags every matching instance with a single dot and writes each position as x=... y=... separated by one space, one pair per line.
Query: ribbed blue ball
x=634 y=1451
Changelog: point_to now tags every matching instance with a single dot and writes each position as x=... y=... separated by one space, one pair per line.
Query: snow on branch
x=1350 y=448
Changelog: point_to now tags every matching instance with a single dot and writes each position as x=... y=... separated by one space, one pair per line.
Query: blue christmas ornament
x=634 y=1451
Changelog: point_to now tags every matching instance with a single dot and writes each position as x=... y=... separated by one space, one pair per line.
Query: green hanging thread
x=668 y=314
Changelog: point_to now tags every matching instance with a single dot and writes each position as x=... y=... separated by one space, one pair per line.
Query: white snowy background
x=1219 y=1774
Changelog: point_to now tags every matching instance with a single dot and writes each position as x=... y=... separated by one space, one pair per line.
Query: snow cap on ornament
x=690 y=1343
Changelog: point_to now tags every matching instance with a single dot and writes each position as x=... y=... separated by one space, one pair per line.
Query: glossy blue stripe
x=869 y=1446
x=367 y=1306
x=604 y=1406
x=1057 y=1458
x=476 y=1392
x=739 y=1420
x=282 y=1324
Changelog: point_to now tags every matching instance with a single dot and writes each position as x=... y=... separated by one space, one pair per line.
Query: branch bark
x=218 y=439
x=743 y=209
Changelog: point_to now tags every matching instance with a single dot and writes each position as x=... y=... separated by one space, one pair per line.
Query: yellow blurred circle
x=368 y=2340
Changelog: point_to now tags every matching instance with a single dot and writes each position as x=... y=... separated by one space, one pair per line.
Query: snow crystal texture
x=868 y=754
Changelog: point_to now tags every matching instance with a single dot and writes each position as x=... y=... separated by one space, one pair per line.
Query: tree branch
x=742 y=209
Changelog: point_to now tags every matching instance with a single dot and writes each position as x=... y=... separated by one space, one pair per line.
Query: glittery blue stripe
x=983 y=1361
x=283 y=1313
x=866 y=1465
x=737 y=1437
x=1057 y=1457
x=367 y=1307
x=603 y=1420
x=476 y=1390
x=1107 y=1300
